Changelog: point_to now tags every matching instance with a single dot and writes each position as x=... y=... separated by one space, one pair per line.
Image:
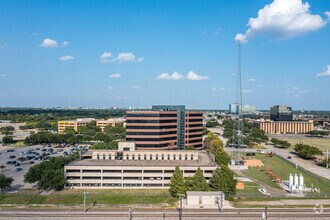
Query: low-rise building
x=110 y=122
x=127 y=167
x=285 y=127
x=62 y=125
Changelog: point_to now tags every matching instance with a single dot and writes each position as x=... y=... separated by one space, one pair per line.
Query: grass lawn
x=73 y=197
x=321 y=143
x=250 y=191
x=281 y=168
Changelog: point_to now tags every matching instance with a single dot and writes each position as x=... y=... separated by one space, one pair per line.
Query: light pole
x=180 y=209
x=85 y=197
x=130 y=213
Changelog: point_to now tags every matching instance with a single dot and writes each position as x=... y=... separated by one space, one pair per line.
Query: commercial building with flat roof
x=129 y=168
x=281 y=113
x=165 y=127
x=285 y=127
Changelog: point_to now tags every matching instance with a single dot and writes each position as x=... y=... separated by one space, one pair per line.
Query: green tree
x=69 y=130
x=177 y=183
x=7 y=139
x=5 y=181
x=223 y=180
x=198 y=182
x=2 y=167
x=306 y=151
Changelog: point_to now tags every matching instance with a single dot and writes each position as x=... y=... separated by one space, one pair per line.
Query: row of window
x=132 y=171
x=151 y=139
x=117 y=185
x=151 y=133
x=151 y=127
x=119 y=178
x=151 y=156
x=151 y=115
x=151 y=121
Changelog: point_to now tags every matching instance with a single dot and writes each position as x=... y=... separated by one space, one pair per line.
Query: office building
x=62 y=125
x=281 y=113
x=130 y=168
x=110 y=122
x=285 y=127
x=165 y=127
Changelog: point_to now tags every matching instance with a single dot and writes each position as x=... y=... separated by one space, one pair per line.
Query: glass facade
x=180 y=109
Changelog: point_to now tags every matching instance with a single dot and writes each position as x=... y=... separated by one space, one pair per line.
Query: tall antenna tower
x=238 y=117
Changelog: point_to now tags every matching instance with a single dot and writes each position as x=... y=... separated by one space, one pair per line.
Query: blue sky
x=140 y=53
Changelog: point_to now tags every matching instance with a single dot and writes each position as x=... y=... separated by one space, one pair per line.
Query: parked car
x=17 y=164
x=10 y=150
x=12 y=156
x=18 y=169
x=289 y=157
x=31 y=162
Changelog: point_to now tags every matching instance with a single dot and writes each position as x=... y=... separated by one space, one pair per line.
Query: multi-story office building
x=110 y=122
x=286 y=127
x=281 y=113
x=75 y=124
x=62 y=125
x=164 y=127
x=127 y=168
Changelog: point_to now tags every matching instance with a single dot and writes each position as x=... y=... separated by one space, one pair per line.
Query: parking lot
x=33 y=155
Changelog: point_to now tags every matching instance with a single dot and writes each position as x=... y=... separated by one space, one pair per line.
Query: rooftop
x=204 y=160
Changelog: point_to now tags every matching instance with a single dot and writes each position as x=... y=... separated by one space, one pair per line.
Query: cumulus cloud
x=194 y=76
x=66 y=58
x=49 y=43
x=259 y=85
x=174 y=76
x=65 y=43
x=110 y=88
x=325 y=73
x=136 y=87
x=127 y=57
x=241 y=38
x=251 y=80
x=296 y=92
x=218 y=89
x=327 y=13
x=106 y=57
x=116 y=75
x=282 y=19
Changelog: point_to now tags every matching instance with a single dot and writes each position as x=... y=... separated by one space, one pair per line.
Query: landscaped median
x=111 y=197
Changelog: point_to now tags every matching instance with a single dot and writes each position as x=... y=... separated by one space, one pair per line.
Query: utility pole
x=85 y=197
x=180 y=209
x=130 y=213
x=327 y=162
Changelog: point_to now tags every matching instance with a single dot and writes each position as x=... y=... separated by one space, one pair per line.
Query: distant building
x=75 y=124
x=281 y=113
x=165 y=127
x=110 y=122
x=130 y=168
x=62 y=125
x=286 y=127
x=245 y=110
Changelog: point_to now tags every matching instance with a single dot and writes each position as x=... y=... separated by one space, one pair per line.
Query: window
x=168 y=157
x=156 y=156
x=174 y=157
x=139 y=157
x=98 y=156
x=145 y=157
x=109 y=156
x=127 y=157
x=186 y=157
x=103 y=156
x=162 y=156
x=191 y=157
x=150 y=157
x=180 y=157
x=133 y=157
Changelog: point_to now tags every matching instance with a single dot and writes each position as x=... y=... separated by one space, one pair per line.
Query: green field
x=107 y=197
x=322 y=143
x=250 y=191
x=281 y=168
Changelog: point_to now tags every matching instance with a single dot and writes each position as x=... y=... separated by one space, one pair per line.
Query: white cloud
x=65 y=43
x=127 y=57
x=49 y=43
x=4 y=46
x=327 y=13
x=259 y=85
x=110 y=88
x=3 y=75
x=66 y=58
x=251 y=80
x=136 y=87
x=296 y=92
x=35 y=34
x=283 y=19
x=325 y=73
x=194 y=76
x=116 y=75
x=106 y=57
x=218 y=89
x=241 y=38
x=246 y=91
x=166 y=76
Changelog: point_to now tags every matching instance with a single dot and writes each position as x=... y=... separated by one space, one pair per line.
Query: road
x=166 y=214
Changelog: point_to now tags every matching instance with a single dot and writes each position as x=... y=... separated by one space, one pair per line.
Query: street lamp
x=180 y=209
